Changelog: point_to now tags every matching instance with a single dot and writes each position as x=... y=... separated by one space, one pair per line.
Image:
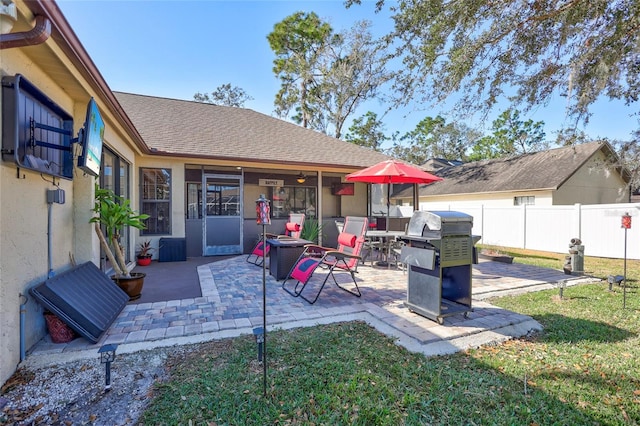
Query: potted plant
x=115 y=213
x=311 y=230
x=495 y=255
x=144 y=253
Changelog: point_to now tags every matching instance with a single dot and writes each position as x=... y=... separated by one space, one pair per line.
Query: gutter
x=37 y=35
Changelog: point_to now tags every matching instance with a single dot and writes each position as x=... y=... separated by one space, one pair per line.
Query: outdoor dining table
x=385 y=238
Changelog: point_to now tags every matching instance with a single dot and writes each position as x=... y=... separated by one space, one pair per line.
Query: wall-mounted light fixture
x=8 y=16
x=301 y=178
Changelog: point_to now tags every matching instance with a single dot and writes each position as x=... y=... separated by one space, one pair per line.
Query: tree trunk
x=120 y=256
x=107 y=250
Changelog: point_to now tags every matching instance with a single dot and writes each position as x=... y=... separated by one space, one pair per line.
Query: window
x=223 y=198
x=114 y=175
x=521 y=201
x=156 y=200
x=194 y=200
x=293 y=199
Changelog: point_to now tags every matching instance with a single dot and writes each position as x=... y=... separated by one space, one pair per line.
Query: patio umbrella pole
x=388 y=206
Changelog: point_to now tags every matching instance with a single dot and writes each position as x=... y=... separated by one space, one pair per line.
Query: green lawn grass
x=584 y=368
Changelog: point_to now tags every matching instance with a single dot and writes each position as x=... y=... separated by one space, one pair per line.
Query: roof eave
x=257 y=162
x=66 y=38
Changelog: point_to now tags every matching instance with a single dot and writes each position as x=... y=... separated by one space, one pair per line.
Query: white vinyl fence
x=551 y=228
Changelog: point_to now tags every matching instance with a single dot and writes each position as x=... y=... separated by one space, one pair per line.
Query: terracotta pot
x=144 y=261
x=132 y=286
x=58 y=330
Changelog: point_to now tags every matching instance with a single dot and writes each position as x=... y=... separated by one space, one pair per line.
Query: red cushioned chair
x=293 y=229
x=344 y=258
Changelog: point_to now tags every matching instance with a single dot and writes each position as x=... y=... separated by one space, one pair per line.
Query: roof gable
x=189 y=128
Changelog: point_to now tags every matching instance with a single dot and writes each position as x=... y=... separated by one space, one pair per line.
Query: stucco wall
x=23 y=227
x=355 y=205
x=593 y=183
x=503 y=199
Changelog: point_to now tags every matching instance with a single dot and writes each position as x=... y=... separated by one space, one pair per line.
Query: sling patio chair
x=293 y=229
x=344 y=258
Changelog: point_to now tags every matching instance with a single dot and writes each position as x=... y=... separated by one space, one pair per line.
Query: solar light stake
x=561 y=285
x=258 y=332
x=107 y=355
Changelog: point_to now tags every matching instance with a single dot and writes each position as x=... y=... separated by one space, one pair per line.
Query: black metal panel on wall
x=36 y=132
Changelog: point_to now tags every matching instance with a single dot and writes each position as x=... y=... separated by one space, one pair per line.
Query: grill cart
x=439 y=252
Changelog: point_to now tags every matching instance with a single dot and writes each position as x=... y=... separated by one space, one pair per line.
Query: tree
x=525 y=51
x=298 y=41
x=225 y=95
x=629 y=154
x=511 y=136
x=325 y=76
x=367 y=131
x=352 y=71
x=434 y=138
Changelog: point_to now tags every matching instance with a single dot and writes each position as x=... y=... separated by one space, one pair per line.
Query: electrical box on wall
x=55 y=196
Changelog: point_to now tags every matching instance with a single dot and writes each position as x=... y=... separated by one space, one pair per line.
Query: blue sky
x=174 y=49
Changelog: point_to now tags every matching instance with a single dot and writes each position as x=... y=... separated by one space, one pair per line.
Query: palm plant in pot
x=115 y=213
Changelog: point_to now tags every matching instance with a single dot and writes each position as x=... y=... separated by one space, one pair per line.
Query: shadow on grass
x=563 y=329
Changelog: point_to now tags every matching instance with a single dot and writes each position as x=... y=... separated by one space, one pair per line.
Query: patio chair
x=344 y=258
x=395 y=254
x=371 y=248
x=293 y=229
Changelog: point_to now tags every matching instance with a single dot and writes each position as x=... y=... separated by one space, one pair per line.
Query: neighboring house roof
x=434 y=164
x=540 y=170
x=195 y=129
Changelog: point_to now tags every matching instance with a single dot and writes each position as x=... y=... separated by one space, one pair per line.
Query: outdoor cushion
x=292 y=227
x=346 y=239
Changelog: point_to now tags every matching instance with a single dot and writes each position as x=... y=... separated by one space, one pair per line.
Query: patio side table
x=283 y=255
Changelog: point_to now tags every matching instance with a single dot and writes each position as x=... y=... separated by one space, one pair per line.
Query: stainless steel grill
x=439 y=254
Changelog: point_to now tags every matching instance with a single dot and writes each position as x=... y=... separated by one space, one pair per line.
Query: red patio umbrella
x=392 y=171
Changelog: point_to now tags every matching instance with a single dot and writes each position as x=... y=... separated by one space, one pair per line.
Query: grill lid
x=423 y=221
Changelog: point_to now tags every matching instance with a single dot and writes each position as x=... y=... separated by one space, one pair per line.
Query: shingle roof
x=188 y=128
x=541 y=170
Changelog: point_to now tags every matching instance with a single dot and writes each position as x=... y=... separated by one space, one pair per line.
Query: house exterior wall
x=593 y=183
x=24 y=211
x=498 y=199
x=355 y=205
x=23 y=229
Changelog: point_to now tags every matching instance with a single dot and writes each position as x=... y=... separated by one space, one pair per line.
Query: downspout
x=37 y=35
x=50 y=273
x=23 y=313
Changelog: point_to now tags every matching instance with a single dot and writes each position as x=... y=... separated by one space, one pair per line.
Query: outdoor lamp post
x=107 y=355
x=626 y=224
x=263 y=217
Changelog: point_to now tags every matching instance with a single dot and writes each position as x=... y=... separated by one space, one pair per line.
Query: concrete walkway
x=231 y=305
